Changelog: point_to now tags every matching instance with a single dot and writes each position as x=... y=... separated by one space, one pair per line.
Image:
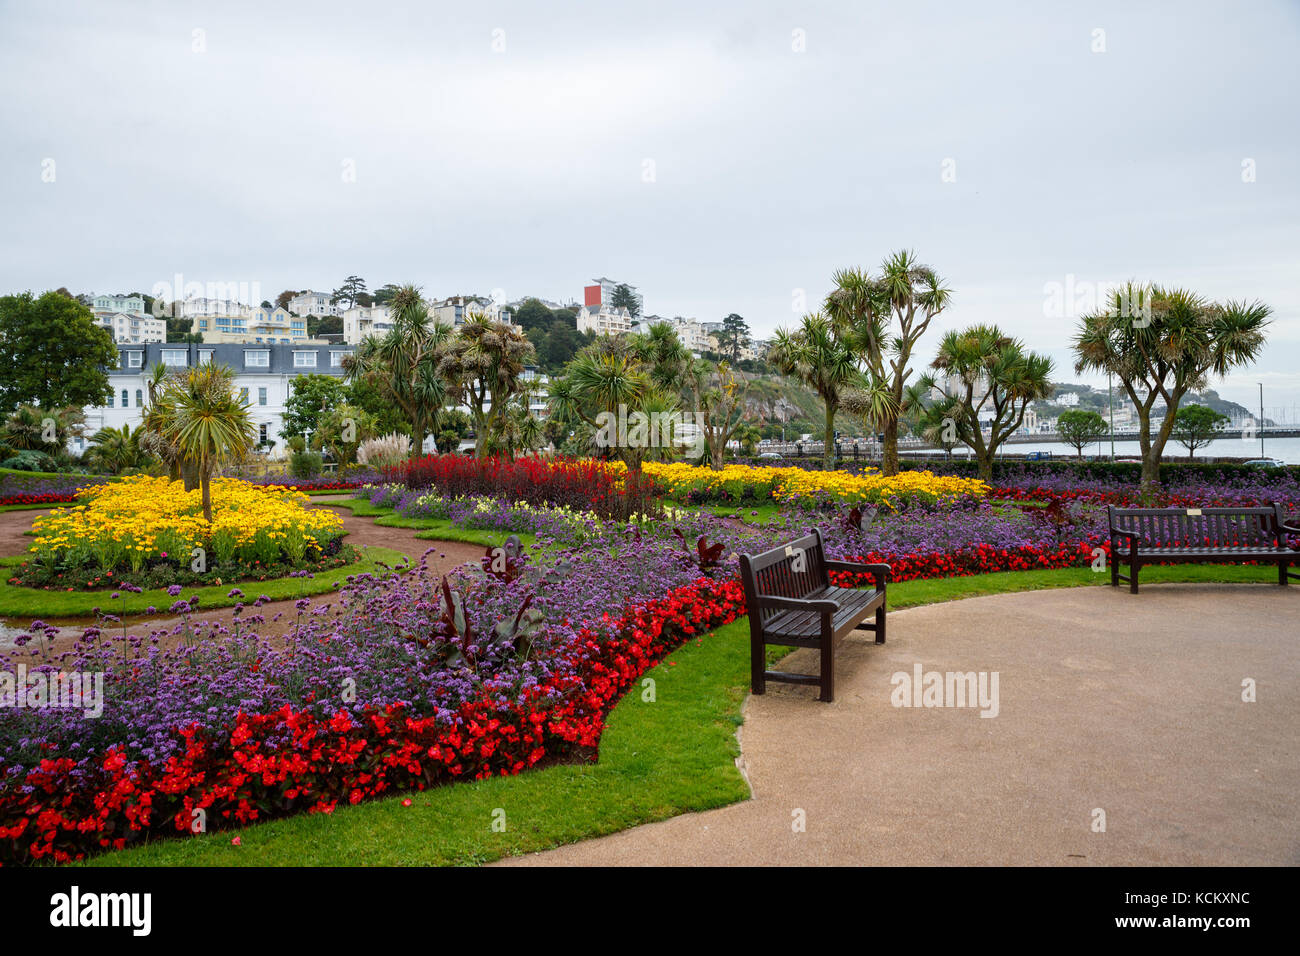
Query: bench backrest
x=1207 y=527
x=793 y=570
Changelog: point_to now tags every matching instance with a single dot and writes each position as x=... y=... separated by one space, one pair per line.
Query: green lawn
x=30 y=603
x=432 y=529
x=657 y=760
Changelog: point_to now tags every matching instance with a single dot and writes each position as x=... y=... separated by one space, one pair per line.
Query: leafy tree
x=821 y=358
x=882 y=319
x=625 y=298
x=52 y=353
x=341 y=429
x=324 y=325
x=1196 y=425
x=562 y=343
x=403 y=365
x=1080 y=428
x=207 y=422
x=989 y=379
x=482 y=366
x=310 y=397
x=718 y=396
x=532 y=314
x=282 y=300
x=384 y=294
x=733 y=337
x=352 y=287
x=1162 y=343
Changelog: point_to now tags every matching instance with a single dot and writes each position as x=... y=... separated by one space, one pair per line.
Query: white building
x=126 y=304
x=601 y=293
x=604 y=320
x=1068 y=399
x=456 y=309
x=263 y=374
x=362 y=322
x=213 y=307
x=315 y=303
x=132 y=328
x=262 y=325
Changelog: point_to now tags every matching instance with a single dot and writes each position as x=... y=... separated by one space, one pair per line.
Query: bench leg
x=1114 y=570
x=880 y=624
x=1281 y=573
x=1133 y=576
x=828 y=670
x=757 y=664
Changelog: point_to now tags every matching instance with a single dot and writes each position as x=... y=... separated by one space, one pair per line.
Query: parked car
x=1128 y=461
x=1266 y=463
x=769 y=454
x=1038 y=455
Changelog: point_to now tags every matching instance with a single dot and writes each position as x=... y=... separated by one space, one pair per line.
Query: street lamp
x=1261 y=418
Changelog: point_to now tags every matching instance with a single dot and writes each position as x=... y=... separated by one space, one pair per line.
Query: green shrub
x=305 y=464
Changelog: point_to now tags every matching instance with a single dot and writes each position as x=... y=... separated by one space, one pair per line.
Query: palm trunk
x=889 y=450
x=205 y=482
x=828 y=442
x=985 y=462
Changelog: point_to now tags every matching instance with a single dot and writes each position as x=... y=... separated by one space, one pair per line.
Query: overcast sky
x=720 y=159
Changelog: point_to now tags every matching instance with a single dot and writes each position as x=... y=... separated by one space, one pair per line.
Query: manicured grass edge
x=29 y=603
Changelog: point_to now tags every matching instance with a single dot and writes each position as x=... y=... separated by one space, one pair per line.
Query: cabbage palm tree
x=989 y=378
x=821 y=357
x=403 y=365
x=1162 y=343
x=483 y=367
x=207 y=422
x=883 y=318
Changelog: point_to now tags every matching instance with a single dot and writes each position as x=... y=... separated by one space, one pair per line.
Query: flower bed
x=601 y=487
x=17 y=490
x=149 y=528
x=272 y=761
x=811 y=489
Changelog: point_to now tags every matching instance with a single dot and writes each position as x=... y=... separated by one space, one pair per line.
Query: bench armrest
x=796 y=604
x=1127 y=534
x=1289 y=529
x=878 y=571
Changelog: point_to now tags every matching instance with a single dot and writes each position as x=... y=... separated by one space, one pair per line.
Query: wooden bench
x=1141 y=536
x=792 y=602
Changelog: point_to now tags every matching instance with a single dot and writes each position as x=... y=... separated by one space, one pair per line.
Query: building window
x=304 y=359
x=134 y=359
x=261 y=396
x=139 y=398
x=126 y=399
x=174 y=358
x=205 y=356
x=262 y=432
x=257 y=358
x=336 y=359
x=110 y=398
x=243 y=396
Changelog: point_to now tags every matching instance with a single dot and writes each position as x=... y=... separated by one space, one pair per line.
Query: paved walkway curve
x=1128 y=704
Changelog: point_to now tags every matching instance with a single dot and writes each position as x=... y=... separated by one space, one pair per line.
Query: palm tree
x=403 y=365
x=820 y=357
x=155 y=424
x=1162 y=343
x=990 y=378
x=208 y=422
x=483 y=367
x=882 y=319
x=118 y=449
x=33 y=428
